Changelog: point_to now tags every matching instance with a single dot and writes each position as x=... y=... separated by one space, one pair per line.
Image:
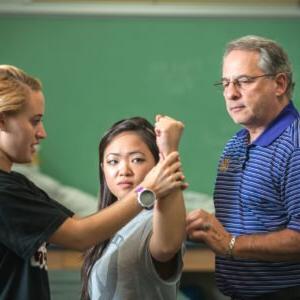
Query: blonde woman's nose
x=41 y=132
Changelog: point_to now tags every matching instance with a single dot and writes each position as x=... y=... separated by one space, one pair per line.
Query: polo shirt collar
x=276 y=127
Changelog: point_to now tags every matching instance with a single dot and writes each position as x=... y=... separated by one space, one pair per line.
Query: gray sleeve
x=146 y=260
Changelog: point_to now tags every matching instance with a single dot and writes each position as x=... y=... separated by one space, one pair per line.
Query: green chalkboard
x=98 y=70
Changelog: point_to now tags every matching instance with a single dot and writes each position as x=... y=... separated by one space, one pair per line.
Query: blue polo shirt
x=258 y=191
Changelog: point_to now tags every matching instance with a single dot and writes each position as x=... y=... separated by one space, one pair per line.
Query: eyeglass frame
x=238 y=83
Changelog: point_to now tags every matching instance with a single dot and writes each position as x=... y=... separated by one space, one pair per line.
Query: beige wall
x=239 y=2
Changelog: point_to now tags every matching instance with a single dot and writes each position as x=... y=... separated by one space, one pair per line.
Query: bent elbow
x=166 y=253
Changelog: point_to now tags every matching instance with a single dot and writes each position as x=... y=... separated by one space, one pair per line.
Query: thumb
x=161 y=156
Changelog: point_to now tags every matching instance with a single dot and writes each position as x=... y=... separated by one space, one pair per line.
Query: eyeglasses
x=241 y=82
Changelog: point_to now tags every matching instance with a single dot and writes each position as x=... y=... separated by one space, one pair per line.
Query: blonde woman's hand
x=165 y=177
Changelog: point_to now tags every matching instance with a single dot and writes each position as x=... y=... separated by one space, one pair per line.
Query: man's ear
x=282 y=84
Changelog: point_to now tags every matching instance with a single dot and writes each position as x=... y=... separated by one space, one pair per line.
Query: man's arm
x=283 y=245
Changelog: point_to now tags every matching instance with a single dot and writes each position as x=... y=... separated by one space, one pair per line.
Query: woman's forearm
x=168 y=226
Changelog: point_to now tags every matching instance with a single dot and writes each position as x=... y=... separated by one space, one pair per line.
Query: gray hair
x=273 y=59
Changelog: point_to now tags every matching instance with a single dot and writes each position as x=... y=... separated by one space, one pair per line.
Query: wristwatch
x=145 y=197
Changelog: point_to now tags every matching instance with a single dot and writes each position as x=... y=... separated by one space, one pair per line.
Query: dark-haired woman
x=144 y=259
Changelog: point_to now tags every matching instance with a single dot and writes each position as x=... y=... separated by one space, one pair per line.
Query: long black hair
x=145 y=130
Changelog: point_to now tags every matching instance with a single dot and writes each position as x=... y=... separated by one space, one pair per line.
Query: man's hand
x=202 y=226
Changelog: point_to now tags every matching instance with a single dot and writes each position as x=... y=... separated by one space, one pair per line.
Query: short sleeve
x=28 y=216
x=292 y=190
x=147 y=261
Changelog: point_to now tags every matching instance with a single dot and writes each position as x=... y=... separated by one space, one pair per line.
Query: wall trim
x=150 y=10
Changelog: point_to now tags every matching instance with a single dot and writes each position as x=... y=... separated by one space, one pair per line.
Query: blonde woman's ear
x=2 y=121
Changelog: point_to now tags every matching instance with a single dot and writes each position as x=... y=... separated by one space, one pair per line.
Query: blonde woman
x=29 y=218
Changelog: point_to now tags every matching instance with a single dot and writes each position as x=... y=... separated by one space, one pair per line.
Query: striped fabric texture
x=258 y=191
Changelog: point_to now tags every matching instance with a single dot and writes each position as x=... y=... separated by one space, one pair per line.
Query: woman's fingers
x=184 y=186
x=171 y=158
x=166 y=176
x=174 y=168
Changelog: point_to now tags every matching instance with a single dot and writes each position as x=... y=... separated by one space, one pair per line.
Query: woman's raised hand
x=168 y=132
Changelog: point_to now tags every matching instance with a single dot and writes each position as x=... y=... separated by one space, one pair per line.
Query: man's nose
x=232 y=91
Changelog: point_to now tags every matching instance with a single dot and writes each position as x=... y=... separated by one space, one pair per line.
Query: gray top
x=126 y=270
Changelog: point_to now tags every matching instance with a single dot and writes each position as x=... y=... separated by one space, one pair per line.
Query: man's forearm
x=281 y=245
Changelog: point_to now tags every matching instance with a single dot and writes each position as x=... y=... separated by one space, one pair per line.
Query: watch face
x=147 y=198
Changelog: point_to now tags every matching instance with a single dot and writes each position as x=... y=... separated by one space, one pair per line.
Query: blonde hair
x=15 y=86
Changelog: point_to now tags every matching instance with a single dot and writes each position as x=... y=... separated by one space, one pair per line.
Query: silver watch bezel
x=140 y=191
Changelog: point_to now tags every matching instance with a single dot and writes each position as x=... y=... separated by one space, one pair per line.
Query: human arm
x=282 y=245
x=169 y=211
x=82 y=233
x=168 y=133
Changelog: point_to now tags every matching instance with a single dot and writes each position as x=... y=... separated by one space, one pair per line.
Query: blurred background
x=101 y=61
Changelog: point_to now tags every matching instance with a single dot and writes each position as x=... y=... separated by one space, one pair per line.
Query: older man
x=256 y=231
